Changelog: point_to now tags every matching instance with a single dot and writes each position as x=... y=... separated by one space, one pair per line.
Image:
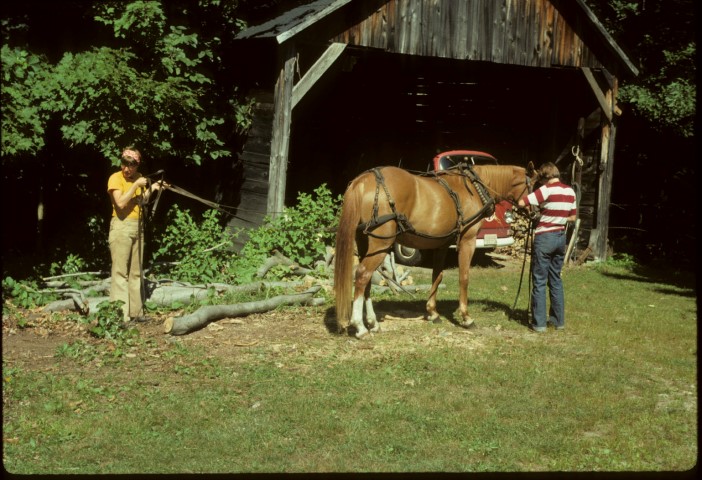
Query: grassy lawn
x=616 y=391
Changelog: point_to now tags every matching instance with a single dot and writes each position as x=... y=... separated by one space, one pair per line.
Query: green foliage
x=243 y=112
x=620 y=260
x=661 y=38
x=79 y=349
x=198 y=252
x=109 y=322
x=25 y=294
x=301 y=233
x=72 y=264
x=23 y=114
x=664 y=97
x=153 y=85
x=201 y=252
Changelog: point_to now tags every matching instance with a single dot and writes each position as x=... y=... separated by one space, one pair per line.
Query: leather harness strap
x=403 y=223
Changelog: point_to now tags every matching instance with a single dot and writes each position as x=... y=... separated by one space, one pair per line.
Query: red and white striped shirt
x=557 y=201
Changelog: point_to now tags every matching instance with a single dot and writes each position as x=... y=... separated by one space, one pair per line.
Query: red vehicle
x=495 y=231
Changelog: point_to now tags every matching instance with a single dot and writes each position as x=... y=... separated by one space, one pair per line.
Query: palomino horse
x=388 y=204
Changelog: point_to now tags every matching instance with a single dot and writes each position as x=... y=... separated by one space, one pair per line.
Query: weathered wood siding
x=255 y=160
x=520 y=32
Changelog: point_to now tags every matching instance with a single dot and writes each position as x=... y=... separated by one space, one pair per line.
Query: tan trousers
x=126 y=271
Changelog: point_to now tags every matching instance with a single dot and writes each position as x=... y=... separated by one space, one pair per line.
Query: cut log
x=204 y=315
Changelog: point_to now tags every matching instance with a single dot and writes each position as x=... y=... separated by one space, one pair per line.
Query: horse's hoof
x=433 y=318
x=467 y=324
x=362 y=335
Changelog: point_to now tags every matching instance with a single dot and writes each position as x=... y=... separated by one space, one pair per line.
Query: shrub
x=301 y=233
x=25 y=294
x=201 y=252
x=194 y=252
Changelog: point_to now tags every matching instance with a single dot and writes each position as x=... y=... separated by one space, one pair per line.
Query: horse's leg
x=364 y=272
x=466 y=249
x=437 y=274
x=371 y=317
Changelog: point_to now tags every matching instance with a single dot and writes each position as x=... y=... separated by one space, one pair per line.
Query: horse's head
x=508 y=182
x=522 y=182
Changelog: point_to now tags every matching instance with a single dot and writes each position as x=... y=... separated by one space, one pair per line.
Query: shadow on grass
x=446 y=309
x=682 y=283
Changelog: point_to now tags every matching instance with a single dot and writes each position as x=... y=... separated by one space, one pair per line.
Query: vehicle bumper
x=489 y=242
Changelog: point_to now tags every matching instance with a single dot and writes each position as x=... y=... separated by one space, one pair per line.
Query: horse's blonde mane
x=499 y=178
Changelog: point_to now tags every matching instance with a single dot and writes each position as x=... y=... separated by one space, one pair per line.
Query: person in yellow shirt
x=127 y=189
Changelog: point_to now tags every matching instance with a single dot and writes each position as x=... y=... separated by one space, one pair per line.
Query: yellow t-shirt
x=118 y=182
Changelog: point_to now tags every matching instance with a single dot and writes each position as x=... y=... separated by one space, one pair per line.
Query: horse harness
x=403 y=223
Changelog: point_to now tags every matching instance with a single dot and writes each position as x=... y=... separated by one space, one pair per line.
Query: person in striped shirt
x=557 y=205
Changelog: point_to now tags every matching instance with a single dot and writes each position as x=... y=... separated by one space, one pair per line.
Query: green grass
x=615 y=392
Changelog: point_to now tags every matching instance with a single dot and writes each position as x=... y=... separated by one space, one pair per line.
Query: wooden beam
x=310 y=19
x=599 y=235
x=322 y=64
x=610 y=42
x=601 y=99
x=280 y=139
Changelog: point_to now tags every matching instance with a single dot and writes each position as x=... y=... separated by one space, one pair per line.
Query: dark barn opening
x=392 y=109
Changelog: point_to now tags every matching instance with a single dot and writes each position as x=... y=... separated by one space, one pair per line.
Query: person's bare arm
x=124 y=201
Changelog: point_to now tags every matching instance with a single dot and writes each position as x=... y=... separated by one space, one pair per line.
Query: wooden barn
x=345 y=85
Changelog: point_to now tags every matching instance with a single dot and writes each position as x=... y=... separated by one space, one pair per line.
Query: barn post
x=600 y=232
x=280 y=139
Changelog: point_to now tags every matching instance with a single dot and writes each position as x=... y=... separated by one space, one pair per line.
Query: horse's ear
x=530 y=170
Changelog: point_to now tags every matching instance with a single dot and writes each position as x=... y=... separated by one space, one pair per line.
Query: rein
x=530 y=230
x=147 y=209
x=527 y=238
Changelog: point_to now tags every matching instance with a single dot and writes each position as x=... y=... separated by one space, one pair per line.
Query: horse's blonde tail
x=343 y=262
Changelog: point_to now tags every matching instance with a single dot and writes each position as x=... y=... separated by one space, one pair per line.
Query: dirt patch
x=34 y=344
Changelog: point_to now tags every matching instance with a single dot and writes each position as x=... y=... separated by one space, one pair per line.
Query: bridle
x=528 y=188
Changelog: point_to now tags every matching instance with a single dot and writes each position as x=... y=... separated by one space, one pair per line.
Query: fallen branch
x=408 y=288
x=79 y=274
x=280 y=259
x=165 y=295
x=583 y=256
x=210 y=313
x=87 y=285
x=83 y=306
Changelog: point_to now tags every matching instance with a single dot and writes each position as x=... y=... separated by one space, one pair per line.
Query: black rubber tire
x=408 y=256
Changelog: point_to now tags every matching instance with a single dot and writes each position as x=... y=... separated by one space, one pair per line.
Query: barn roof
x=594 y=35
x=293 y=21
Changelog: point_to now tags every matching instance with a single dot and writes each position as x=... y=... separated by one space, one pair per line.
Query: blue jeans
x=547 y=262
